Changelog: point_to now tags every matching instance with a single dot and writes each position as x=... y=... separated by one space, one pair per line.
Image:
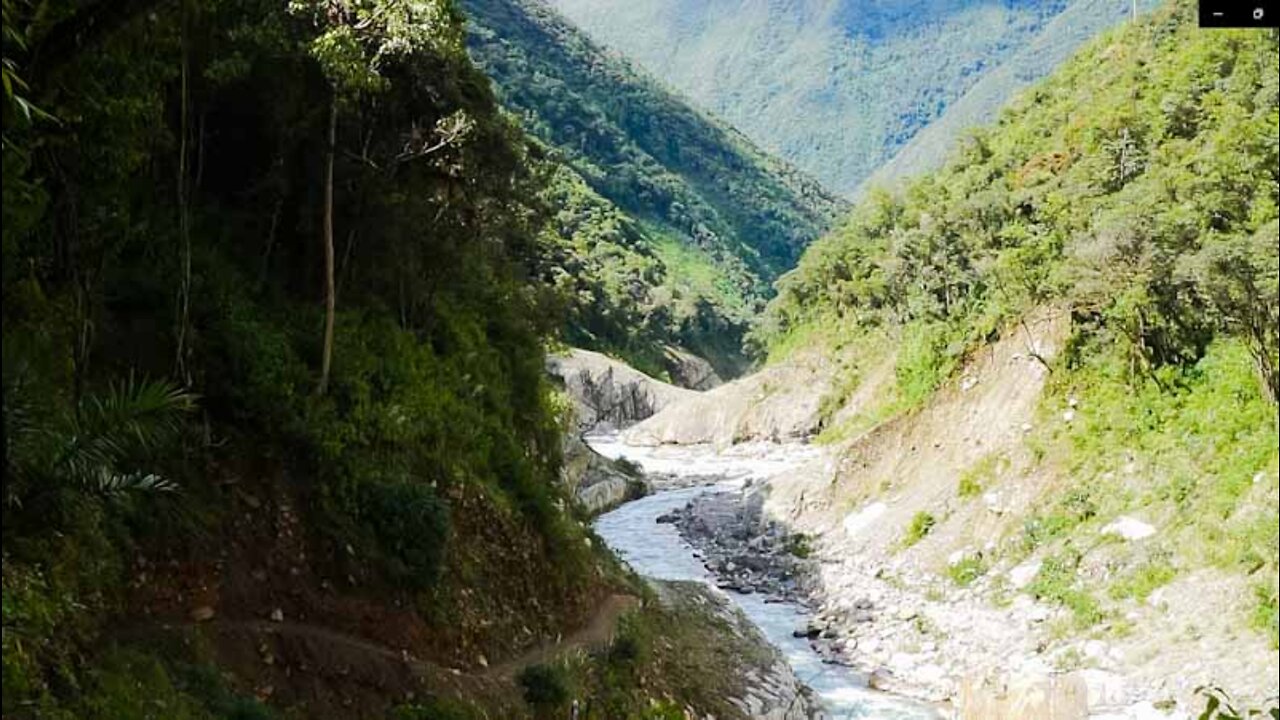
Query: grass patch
x=965 y=572
x=1143 y=580
x=1266 y=611
x=1056 y=582
x=922 y=523
x=980 y=475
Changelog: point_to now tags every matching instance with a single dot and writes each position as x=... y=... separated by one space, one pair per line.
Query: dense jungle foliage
x=185 y=186
x=1136 y=189
x=686 y=223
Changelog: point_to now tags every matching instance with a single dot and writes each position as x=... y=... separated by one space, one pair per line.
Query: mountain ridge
x=834 y=86
x=720 y=218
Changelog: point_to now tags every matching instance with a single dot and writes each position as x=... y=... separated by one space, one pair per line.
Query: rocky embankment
x=757 y=679
x=876 y=617
x=747 y=553
x=608 y=395
x=598 y=483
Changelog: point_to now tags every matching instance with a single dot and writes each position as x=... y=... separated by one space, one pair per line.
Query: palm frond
x=141 y=412
x=97 y=447
x=112 y=484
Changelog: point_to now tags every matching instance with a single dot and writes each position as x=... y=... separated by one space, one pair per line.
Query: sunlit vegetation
x=1135 y=190
x=687 y=222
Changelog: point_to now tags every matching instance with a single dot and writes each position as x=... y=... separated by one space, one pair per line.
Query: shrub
x=545 y=686
x=1056 y=582
x=1218 y=705
x=1266 y=611
x=411 y=525
x=921 y=524
x=967 y=570
x=800 y=545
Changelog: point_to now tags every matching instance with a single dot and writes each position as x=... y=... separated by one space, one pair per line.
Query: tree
x=1238 y=279
x=358 y=39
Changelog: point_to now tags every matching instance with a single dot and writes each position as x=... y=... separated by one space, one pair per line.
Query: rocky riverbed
x=747 y=553
x=909 y=632
x=757 y=564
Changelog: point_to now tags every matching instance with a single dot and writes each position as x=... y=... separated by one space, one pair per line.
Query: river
x=657 y=550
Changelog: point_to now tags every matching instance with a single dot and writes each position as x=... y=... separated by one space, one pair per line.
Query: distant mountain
x=699 y=220
x=1055 y=43
x=839 y=86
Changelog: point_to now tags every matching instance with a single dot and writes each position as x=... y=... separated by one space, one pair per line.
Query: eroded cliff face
x=608 y=394
x=920 y=565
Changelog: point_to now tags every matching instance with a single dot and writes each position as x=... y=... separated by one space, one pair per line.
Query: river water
x=657 y=550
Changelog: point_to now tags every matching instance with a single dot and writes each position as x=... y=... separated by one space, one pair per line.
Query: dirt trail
x=596 y=632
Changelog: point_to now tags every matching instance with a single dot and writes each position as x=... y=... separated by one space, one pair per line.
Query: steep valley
x=421 y=360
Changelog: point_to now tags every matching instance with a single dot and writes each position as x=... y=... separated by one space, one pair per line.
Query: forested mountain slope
x=278 y=437
x=1060 y=37
x=1127 y=444
x=838 y=86
x=685 y=223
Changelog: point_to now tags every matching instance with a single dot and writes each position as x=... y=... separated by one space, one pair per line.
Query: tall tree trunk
x=183 y=320
x=330 y=302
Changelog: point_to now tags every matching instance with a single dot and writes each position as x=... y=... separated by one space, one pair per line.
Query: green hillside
x=278 y=437
x=676 y=174
x=1060 y=37
x=1137 y=188
x=839 y=86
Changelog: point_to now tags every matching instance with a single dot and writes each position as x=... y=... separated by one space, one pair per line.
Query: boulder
x=1022 y=575
x=1129 y=528
x=688 y=370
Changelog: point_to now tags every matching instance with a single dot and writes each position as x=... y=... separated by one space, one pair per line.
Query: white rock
x=1095 y=649
x=1072 y=401
x=1068 y=416
x=857 y=522
x=930 y=674
x=1022 y=575
x=1039 y=614
x=956 y=557
x=277 y=615
x=902 y=662
x=1129 y=528
x=1105 y=689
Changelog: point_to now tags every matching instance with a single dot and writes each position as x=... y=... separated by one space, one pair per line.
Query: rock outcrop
x=609 y=394
x=598 y=483
x=768 y=687
x=778 y=403
x=690 y=371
